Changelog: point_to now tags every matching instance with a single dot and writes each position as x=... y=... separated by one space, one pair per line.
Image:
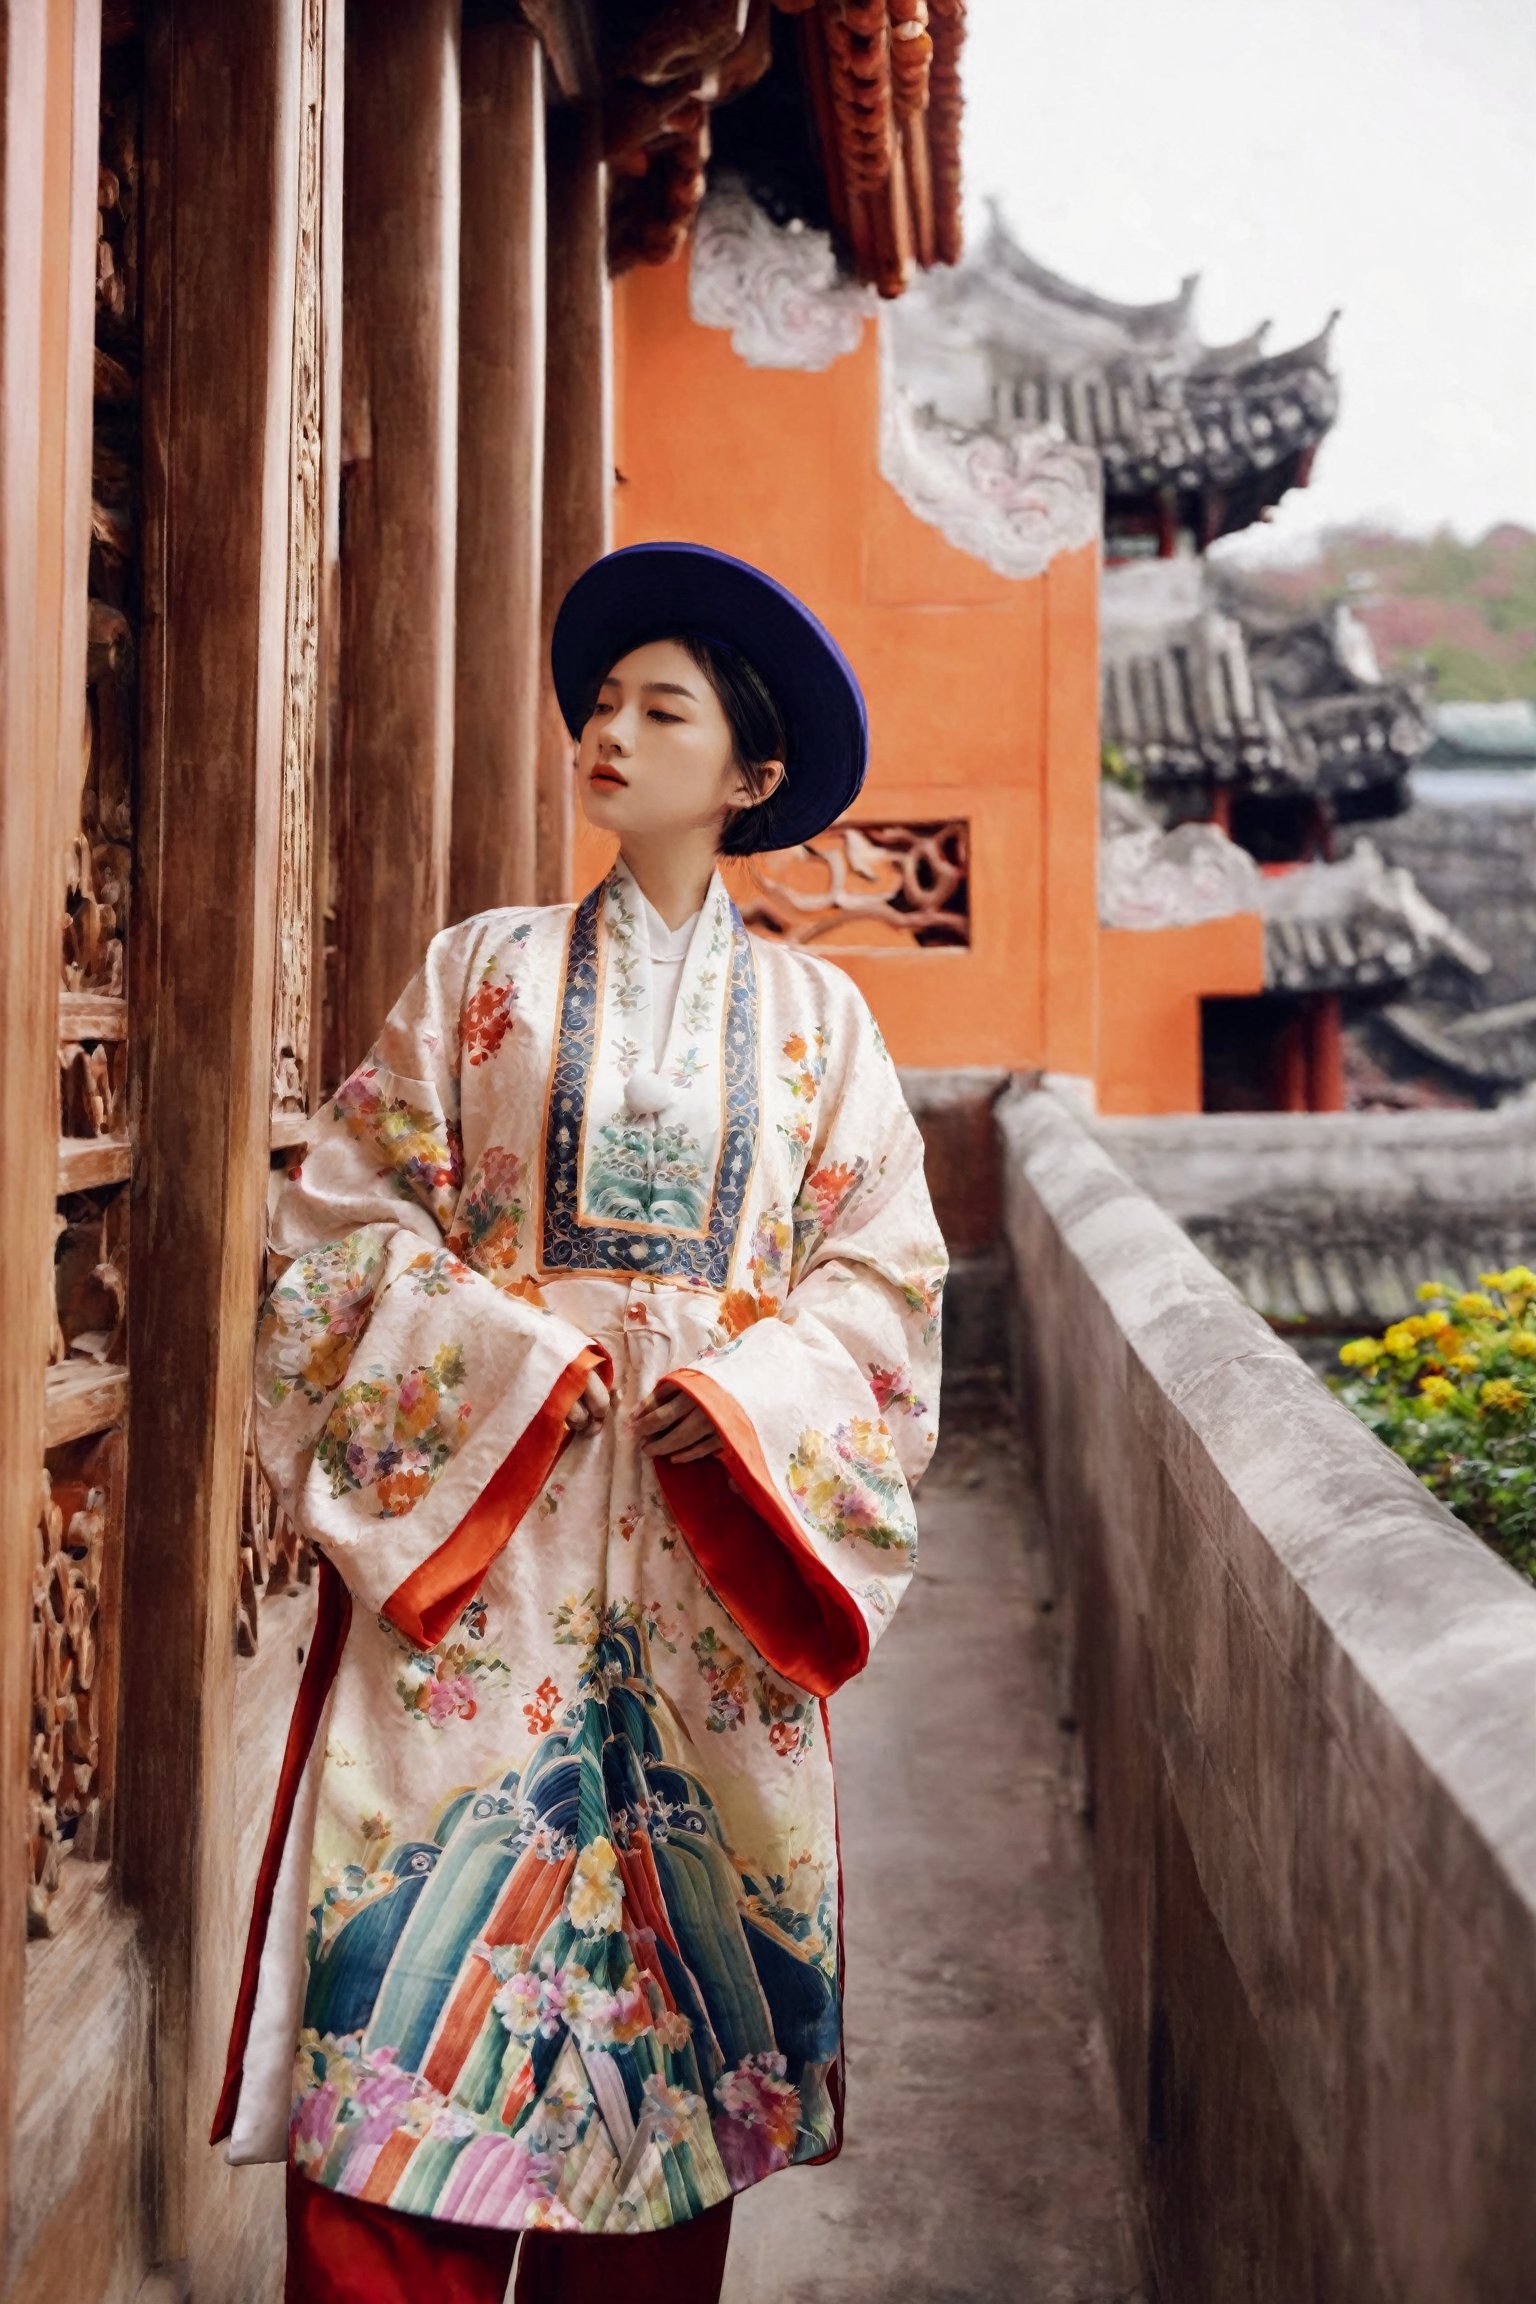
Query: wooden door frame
x=50 y=61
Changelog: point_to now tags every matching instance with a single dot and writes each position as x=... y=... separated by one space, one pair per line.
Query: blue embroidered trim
x=571 y=1244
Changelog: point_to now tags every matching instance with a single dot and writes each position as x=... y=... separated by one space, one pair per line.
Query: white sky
x=1298 y=154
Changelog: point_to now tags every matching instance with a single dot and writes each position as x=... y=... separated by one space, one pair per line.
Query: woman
x=604 y=1364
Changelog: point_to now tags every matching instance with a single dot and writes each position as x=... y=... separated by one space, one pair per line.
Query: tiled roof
x=1201 y=686
x=1492 y=735
x=1186 y=707
x=883 y=77
x=1359 y=1269
x=1486 y=1047
x=1210 y=433
x=1330 y=1221
x=879 y=78
x=1357 y=925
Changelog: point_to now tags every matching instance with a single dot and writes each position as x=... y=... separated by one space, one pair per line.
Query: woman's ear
x=769 y=776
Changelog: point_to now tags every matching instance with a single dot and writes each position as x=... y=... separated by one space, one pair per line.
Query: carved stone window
x=866 y=887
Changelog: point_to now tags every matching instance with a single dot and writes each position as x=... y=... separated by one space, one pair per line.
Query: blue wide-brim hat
x=647 y=590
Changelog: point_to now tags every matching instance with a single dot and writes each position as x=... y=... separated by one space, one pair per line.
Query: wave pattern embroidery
x=571 y=2003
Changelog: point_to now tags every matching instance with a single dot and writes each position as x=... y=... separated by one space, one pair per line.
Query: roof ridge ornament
x=1013 y=496
x=777 y=288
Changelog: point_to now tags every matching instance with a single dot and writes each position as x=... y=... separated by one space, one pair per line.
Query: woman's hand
x=668 y=1424
x=586 y=1413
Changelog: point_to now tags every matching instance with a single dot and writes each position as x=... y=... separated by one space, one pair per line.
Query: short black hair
x=758 y=731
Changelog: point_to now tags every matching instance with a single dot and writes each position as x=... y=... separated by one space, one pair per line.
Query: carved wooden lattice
x=273 y=1556
x=869 y=886
x=80 y=1507
x=90 y=1269
x=292 y=992
x=74 y=1694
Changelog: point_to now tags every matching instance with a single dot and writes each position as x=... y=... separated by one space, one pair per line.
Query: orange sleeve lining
x=426 y=1604
x=789 y=1604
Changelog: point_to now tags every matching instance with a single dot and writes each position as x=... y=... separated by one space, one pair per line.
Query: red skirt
x=343 y=2251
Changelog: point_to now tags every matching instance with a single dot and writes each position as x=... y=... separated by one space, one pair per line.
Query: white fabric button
x=645 y=1095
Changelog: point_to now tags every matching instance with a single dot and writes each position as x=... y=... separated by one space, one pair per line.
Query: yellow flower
x=1500 y=1394
x=1518 y=1276
x=1475 y=1306
x=595 y=1901
x=1523 y=1344
x=1434 y=1323
x=1466 y=1360
x=1437 y=1389
x=1364 y=1352
x=1400 y=1340
x=1428 y=1290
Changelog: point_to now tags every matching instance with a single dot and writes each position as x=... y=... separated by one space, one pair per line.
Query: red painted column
x=1292 y=1068
x=1325 y=1054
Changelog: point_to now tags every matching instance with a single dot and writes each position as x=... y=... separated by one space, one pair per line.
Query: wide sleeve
x=803 y=1523
x=408 y=1411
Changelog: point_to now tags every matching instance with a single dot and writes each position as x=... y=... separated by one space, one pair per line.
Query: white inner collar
x=667 y=943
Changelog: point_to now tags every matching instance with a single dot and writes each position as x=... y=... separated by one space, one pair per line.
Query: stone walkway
x=982 y=2162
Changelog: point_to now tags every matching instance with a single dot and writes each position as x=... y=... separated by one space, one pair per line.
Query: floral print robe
x=548 y=1927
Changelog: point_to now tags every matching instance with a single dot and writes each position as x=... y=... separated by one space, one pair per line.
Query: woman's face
x=656 y=754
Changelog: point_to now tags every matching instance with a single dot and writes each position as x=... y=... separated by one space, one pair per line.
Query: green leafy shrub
x=1452 y=1390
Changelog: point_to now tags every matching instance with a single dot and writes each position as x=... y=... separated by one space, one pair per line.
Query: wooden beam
x=501 y=463
x=221 y=146
x=392 y=799
x=86 y=1163
x=84 y=1397
x=568 y=32
x=49 y=67
x=578 y=438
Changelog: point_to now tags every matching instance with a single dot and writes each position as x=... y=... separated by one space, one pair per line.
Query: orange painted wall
x=982 y=691
x=1150 y=986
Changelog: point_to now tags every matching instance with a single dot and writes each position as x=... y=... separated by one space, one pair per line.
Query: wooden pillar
x=1325 y=1054
x=501 y=462
x=1289 y=1059
x=578 y=438
x=392 y=800
x=222 y=143
x=49 y=67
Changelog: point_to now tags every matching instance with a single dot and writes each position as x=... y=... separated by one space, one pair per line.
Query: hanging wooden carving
x=292 y=992
x=74 y=1703
x=866 y=886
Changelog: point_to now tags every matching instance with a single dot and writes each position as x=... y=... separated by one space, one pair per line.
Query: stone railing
x=1308 y=1699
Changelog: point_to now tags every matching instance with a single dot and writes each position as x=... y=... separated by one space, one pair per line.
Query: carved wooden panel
x=90 y=1269
x=74 y=1683
x=273 y=1557
x=293 y=988
x=81 y=1483
x=868 y=887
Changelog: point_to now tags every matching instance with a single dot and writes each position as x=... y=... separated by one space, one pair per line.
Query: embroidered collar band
x=647 y=590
